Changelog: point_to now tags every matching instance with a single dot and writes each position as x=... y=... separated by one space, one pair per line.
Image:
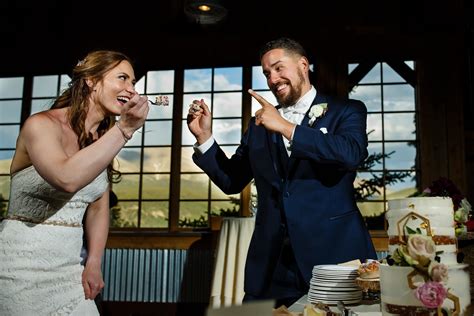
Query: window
x=144 y=194
x=11 y=94
x=45 y=90
x=221 y=88
x=144 y=191
x=391 y=127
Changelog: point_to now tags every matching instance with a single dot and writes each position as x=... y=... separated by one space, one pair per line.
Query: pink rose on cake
x=431 y=294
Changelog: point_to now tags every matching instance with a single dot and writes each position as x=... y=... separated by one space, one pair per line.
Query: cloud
x=221 y=82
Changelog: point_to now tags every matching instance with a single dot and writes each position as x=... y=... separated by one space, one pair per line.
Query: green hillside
x=5 y=166
x=156 y=186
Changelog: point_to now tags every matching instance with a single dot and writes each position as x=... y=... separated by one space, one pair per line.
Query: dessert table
x=365 y=308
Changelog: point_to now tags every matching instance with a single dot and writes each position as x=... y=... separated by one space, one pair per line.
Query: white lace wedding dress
x=40 y=246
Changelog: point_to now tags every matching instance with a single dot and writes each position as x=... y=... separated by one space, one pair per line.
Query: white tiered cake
x=425 y=216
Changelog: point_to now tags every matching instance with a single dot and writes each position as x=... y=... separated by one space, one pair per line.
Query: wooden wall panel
x=440 y=124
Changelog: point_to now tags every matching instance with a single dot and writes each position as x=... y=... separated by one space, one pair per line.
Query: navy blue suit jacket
x=312 y=190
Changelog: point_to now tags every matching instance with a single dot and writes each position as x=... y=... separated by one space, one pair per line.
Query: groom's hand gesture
x=199 y=121
x=269 y=117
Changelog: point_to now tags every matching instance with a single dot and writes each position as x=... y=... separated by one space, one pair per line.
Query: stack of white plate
x=332 y=283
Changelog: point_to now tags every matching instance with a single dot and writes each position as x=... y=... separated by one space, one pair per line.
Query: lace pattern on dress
x=40 y=265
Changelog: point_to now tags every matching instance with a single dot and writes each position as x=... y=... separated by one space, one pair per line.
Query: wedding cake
x=422 y=275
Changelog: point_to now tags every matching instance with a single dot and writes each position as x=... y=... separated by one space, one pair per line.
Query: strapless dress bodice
x=35 y=199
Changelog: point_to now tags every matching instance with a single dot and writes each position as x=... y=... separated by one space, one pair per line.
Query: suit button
x=287 y=194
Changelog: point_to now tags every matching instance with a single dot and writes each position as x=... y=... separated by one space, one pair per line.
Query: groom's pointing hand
x=269 y=117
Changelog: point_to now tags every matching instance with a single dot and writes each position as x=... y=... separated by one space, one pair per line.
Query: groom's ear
x=304 y=63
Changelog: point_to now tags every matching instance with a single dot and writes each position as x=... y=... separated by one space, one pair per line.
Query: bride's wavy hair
x=76 y=98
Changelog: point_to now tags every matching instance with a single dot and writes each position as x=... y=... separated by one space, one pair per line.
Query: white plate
x=335 y=291
x=333 y=302
x=334 y=268
x=335 y=284
x=335 y=277
x=335 y=297
x=338 y=278
x=323 y=272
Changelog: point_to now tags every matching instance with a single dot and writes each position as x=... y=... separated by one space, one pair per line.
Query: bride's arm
x=41 y=138
x=97 y=229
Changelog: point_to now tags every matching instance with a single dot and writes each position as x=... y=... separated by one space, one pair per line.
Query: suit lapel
x=274 y=146
x=283 y=156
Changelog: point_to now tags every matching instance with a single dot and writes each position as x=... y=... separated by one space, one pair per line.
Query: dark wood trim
x=187 y=240
x=246 y=116
x=154 y=240
x=27 y=98
x=379 y=239
x=404 y=71
x=176 y=150
x=359 y=73
x=440 y=119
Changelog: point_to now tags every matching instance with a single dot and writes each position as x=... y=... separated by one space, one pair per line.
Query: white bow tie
x=292 y=110
x=293 y=115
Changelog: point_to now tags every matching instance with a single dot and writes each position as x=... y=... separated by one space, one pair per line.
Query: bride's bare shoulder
x=50 y=119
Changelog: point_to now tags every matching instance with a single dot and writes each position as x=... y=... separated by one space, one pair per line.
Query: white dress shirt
x=295 y=113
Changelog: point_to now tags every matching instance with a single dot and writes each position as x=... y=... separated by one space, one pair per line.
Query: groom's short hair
x=284 y=43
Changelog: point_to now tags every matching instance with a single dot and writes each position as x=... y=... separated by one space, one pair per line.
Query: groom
x=303 y=155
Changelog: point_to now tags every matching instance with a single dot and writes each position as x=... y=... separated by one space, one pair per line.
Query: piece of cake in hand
x=162 y=100
x=195 y=107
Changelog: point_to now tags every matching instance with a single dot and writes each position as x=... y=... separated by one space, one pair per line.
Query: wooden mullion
x=246 y=116
x=359 y=73
x=176 y=151
x=26 y=98
x=404 y=71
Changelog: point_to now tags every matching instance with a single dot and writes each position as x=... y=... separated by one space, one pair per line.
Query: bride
x=61 y=167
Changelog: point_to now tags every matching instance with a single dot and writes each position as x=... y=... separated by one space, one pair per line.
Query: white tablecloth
x=231 y=253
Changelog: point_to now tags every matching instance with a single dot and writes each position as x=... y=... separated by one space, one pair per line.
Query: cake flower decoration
x=317 y=111
x=419 y=252
x=421 y=248
x=431 y=294
x=438 y=272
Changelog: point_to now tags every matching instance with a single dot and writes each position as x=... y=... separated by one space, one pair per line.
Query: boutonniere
x=317 y=111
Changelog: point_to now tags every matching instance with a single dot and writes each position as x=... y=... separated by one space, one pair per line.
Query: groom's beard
x=295 y=92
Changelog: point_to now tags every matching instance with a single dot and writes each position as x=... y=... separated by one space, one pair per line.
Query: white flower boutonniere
x=317 y=111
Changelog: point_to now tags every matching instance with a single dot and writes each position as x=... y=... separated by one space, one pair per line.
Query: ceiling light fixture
x=205 y=12
x=204 y=8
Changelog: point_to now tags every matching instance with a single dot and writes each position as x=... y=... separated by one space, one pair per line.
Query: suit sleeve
x=231 y=175
x=345 y=143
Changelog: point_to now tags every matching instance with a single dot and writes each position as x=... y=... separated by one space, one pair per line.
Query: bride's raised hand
x=133 y=114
